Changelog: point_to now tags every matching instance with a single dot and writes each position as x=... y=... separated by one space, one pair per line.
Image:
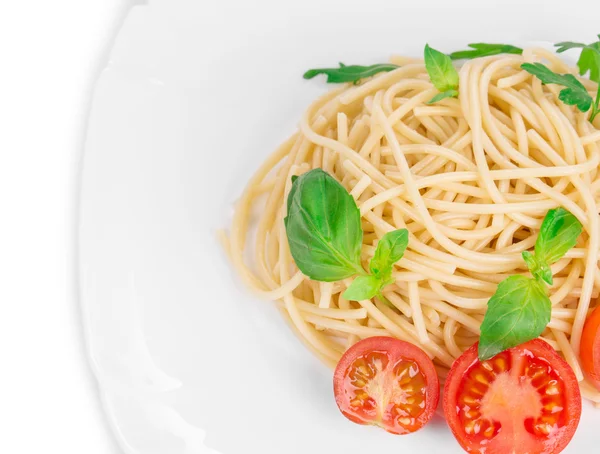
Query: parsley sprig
x=589 y=61
x=485 y=50
x=574 y=93
x=520 y=309
x=349 y=73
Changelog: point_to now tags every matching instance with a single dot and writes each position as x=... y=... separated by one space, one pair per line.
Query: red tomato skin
x=539 y=348
x=590 y=347
x=398 y=349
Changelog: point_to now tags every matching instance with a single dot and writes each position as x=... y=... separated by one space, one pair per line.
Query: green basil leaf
x=538 y=268
x=352 y=73
x=518 y=312
x=323 y=228
x=292 y=193
x=444 y=95
x=363 y=288
x=441 y=71
x=574 y=95
x=485 y=50
x=390 y=249
x=559 y=233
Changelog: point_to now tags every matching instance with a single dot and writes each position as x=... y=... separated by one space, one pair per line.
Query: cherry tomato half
x=387 y=382
x=590 y=347
x=523 y=400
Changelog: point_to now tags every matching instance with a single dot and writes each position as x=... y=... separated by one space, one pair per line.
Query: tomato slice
x=525 y=400
x=387 y=382
x=590 y=347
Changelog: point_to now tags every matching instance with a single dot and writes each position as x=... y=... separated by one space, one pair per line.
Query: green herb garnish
x=588 y=59
x=520 y=309
x=485 y=50
x=442 y=73
x=574 y=94
x=389 y=250
x=352 y=73
x=323 y=227
x=568 y=45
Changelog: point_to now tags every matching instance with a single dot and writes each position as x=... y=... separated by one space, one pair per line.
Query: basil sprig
x=520 y=309
x=349 y=73
x=442 y=73
x=389 y=250
x=323 y=227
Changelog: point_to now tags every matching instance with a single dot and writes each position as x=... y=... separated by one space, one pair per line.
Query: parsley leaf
x=568 y=45
x=352 y=73
x=485 y=50
x=442 y=73
x=589 y=60
x=574 y=94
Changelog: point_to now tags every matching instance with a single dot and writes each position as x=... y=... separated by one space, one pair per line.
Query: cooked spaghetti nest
x=470 y=178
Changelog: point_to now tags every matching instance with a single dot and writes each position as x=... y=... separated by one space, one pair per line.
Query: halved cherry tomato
x=525 y=400
x=388 y=383
x=590 y=347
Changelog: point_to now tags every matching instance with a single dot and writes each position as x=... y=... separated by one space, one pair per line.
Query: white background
x=51 y=51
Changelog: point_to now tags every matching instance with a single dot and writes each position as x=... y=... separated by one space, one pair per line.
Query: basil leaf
x=352 y=73
x=441 y=71
x=363 y=288
x=518 y=312
x=538 y=268
x=323 y=228
x=390 y=249
x=292 y=193
x=559 y=233
x=444 y=95
x=485 y=50
x=574 y=95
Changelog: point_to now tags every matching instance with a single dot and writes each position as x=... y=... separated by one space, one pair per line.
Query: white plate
x=196 y=95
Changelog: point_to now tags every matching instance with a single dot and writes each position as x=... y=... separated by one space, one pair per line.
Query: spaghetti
x=470 y=178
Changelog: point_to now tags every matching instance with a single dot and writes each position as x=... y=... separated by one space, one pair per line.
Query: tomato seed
x=472 y=414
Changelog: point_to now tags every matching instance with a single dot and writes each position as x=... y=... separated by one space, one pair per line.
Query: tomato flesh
x=590 y=347
x=388 y=383
x=525 y=400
